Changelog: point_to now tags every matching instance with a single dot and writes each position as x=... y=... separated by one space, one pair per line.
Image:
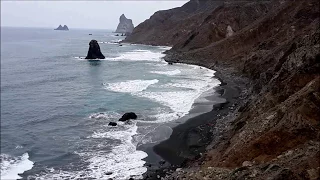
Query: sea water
x=56 y=106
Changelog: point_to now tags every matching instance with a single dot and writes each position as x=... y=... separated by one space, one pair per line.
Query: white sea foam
x=80 y=58
x=130 y=86
x=170 y=73
x=198 y=85
x=178 y=101
x=139 y=55
x=165 y=47
x=11 y=167
x=124 y=161
x=105 y=115
x=116 y=40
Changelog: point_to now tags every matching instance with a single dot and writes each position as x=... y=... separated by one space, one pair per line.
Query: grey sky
x=79 y=14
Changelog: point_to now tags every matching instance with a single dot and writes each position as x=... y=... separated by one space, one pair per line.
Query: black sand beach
x=189 y=139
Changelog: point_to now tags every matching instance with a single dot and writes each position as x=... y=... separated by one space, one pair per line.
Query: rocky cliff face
x=275 y=131
x=125 y=25
x=206 y=18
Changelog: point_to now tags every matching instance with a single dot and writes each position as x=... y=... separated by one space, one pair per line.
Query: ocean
x=56 y=106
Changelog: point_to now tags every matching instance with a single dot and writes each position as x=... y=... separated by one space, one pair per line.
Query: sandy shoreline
x=190 y=138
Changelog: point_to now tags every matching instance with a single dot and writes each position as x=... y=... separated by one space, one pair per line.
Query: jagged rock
x=125 y=25
x=94 y=51
x=64 y=28
x=127 y=116
x=229 y=31
x=247 y=164
x=112 y=124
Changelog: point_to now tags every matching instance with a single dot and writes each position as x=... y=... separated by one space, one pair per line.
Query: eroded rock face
x=94 y=51
x=197 y=23
x=125 y=25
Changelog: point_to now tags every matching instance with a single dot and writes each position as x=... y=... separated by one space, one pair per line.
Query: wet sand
x=191 y=136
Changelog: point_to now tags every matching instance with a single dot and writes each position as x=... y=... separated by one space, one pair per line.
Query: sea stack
x=125 y=25
x=94 y=51
x=64 y=28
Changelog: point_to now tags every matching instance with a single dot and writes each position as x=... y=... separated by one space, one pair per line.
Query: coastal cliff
x=274 y=130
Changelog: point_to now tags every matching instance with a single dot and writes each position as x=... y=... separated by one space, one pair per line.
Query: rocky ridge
x=274 y=132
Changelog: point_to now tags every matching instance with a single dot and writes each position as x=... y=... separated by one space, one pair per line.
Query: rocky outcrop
x=125 y=25
x=112 y=124
x=274 y=132
x=64 y=28
x=127 y=116
x=94 y=51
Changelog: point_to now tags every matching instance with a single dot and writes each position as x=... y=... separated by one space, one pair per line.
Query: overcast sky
x=79 y=14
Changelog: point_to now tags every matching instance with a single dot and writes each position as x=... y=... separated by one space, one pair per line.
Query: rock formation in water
x=274 y=130
x=112 y=124
x=125 y=25
x=64 y=28
x=94 y=51
x=127 y=116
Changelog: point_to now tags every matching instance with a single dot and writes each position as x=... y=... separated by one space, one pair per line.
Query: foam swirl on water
x=139 y=55
x=130 y=86
x=11 y=167
x=170 y=73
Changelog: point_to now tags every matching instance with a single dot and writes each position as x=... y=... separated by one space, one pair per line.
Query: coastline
x=189 y=139
x=272 y=130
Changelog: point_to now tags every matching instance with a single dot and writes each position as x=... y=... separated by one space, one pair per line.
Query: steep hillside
x=207 y=18
x=275 y=131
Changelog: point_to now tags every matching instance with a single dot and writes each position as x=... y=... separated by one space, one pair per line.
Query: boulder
x=94 y=51
x=112 y=124
x=127 y=116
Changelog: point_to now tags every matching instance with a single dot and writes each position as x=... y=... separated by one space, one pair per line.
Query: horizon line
x=46 y=27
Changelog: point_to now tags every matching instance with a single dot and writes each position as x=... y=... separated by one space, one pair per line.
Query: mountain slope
x=275 y=131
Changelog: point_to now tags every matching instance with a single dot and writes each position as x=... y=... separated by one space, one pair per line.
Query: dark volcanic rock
x=112 y=124
x=64 y=28
x=127 y=116
x=94 y=51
